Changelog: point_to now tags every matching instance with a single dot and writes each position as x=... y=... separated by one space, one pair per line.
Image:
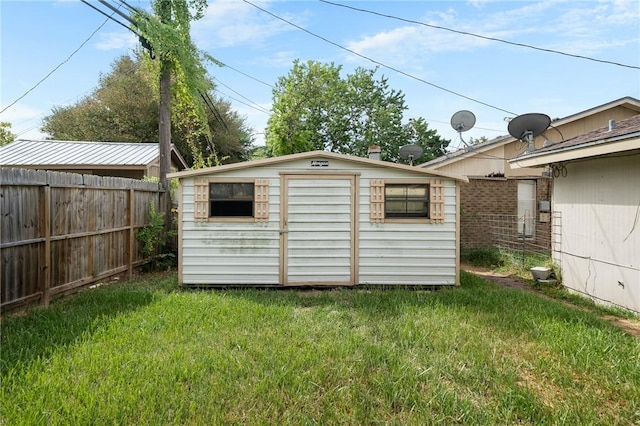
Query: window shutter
x=201 y=200
x=261 y=200
x=376 y=200
x=437 y=201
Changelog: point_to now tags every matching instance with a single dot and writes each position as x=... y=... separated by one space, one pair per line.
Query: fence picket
x=60 y=231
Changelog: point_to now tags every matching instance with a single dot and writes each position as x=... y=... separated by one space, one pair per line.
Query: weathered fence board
x=61 y=231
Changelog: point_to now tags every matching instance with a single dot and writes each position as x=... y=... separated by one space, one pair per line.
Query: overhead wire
x=93 y=89
x=378 y=62
x=56 y=68
x=257 y=106
x=438 y=27
x=242 y=102
x=247 y=75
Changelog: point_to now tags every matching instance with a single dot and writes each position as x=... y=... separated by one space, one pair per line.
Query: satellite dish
x=410 y=152
x=462 y=121
x=526 y=125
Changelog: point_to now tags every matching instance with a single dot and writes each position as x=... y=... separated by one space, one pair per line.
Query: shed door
x=317 y=227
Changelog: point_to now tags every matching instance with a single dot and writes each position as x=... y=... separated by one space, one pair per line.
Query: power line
x=380 y=63
x=257 y=106
x=243 y=103
x=108 y=16
x=528 y=46
x=56 y=68
x=93 y=89
x=247 y=75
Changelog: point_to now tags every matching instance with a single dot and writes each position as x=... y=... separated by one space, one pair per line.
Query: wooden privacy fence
x=61 y=231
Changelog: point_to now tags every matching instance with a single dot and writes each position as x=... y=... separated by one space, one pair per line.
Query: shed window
x=231 y=199
x=406 y=200
x=396 y=200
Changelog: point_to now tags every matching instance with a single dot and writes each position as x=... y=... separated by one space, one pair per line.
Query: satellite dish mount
x=462 y=121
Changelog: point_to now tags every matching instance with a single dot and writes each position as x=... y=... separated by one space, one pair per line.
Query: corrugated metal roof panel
x=47 y=152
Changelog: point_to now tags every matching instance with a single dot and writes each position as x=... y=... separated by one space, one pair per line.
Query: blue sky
x=38 y=36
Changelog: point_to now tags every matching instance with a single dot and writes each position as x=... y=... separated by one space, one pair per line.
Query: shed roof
x=314 y=155
x=29 y=153
x=624 y=136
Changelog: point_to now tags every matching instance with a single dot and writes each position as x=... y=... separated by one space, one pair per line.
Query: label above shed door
x=319 y=163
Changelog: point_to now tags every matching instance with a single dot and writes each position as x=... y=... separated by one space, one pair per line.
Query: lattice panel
x=201 y=200
x=436 y=188
x=261 y=199
x=376 y=201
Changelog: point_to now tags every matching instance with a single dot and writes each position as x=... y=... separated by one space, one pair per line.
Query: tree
x=431 y=142
x=124 y=107
x=476 y=141
x=5 y=134
x=315 y=108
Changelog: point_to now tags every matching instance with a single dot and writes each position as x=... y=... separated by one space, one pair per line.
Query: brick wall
x=495 y=196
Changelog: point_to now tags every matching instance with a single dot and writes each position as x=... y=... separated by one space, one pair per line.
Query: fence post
x=45 y=215
x=132 y=234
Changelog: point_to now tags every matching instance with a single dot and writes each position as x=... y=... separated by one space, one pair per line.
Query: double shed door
x=318 y=229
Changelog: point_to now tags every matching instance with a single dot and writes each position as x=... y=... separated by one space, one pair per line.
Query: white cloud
x=233 y=23
x=580 y=28
x=117 y=41
x=25 y=120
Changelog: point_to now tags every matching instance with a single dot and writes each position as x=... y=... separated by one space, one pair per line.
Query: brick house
x=503 y=205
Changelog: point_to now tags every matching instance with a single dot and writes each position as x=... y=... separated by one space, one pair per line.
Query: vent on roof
x=612 y=124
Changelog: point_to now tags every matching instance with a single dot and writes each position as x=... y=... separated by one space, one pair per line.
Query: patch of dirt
x=513 y=281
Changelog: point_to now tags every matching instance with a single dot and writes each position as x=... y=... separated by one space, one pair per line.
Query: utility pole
x=164 y=119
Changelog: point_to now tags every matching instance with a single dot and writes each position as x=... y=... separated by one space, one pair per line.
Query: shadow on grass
x=511 y=311
x=41 y=331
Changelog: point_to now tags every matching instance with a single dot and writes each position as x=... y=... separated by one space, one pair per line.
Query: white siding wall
x=249 y=253
x=226 y=253
x=408 y=253
x=599 y=201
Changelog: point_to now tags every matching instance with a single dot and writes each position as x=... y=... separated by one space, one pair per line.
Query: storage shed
x=318 y=218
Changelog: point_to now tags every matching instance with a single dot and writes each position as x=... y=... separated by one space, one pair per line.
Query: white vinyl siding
x=408 y=253
x=352 y=248
x=598 y=250
x=319 y=231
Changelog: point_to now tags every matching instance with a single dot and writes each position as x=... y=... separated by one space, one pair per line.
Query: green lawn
x=146 y=352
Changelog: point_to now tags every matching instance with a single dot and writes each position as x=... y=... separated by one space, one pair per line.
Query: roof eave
x=312 y=154
x=590 y=149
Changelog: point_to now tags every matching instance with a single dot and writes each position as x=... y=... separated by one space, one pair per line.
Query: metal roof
x=23 y=152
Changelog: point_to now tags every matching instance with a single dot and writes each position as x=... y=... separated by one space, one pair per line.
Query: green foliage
x=5 y=134
x=168 y=32
x=124 y=108
x=476 y=141
x=315 y=108
x=488 y=257
x=144 y=352
x=431 y=142
x=154 y=237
